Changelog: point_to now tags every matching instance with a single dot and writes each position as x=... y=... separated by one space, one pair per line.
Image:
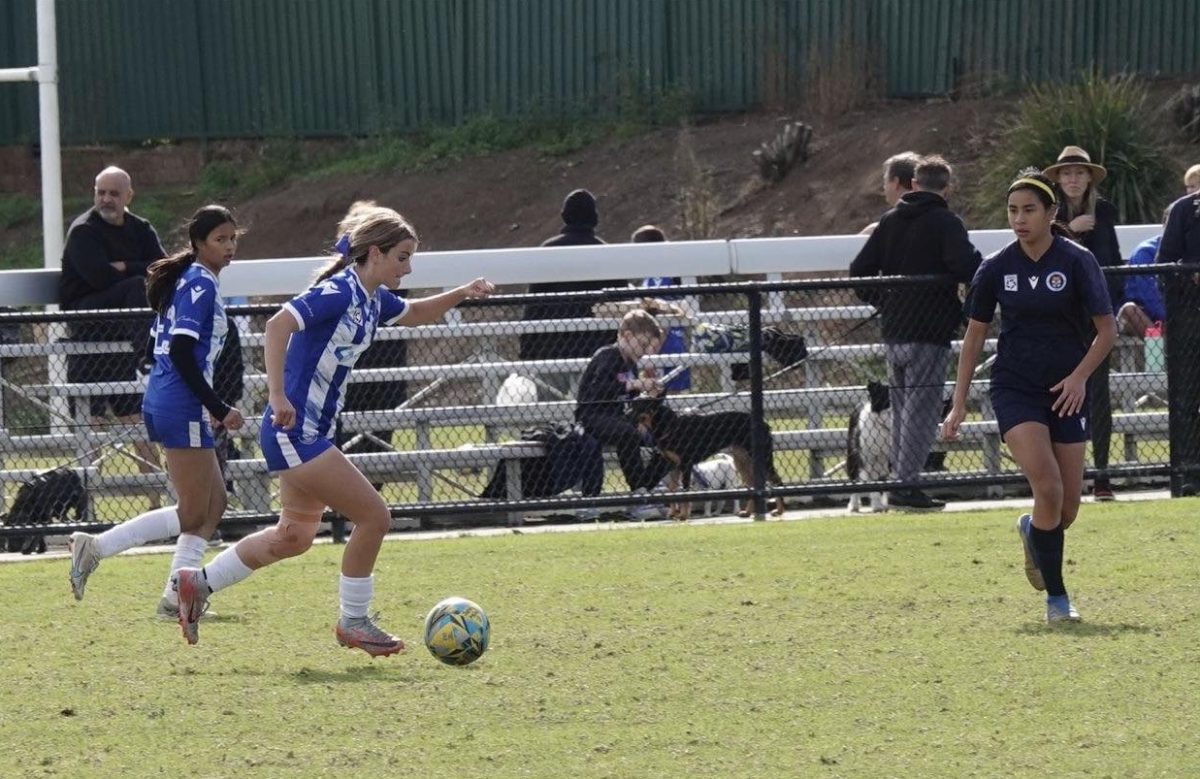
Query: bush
x=1107 y=116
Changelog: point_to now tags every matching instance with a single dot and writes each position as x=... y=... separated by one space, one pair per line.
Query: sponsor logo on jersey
x=197 y=293
x=1033 y=280
x=1056 y=281
x=355 y=314
x=1010 y=282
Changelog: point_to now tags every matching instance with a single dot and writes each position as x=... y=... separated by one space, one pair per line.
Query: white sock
x=226 y=570
x=189 y=551
x=155 y=525
x=355 y=595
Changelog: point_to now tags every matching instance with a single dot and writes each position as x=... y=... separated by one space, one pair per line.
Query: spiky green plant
x=1108 y=116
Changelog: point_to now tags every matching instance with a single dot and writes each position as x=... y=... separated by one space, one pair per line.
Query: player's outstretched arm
x=430 y=310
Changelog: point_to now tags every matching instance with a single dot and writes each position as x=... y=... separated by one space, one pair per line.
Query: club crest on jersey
x=355 y=314
x=1033 y=280
x=1056 y=281
x=1010 y=282
x=197 y=293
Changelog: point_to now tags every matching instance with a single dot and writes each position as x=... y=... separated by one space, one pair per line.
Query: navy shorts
x=283 y=449
x=178 y=432
x=1013 y=407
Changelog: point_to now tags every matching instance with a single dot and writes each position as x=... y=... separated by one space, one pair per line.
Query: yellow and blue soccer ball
x=456 y=631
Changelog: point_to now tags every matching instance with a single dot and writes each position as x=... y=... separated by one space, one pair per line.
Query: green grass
x=895 y=646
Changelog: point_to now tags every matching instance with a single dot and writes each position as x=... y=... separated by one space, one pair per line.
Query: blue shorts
x=283 y=450
x=178 y=432
x=1013 y=407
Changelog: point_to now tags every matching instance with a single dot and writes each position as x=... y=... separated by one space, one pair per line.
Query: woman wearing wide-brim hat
x=1092 y=220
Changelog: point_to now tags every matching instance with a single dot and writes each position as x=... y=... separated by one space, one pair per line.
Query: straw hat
x=1073 y=155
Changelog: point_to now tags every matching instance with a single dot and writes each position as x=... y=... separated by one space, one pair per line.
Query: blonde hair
x=1192 y=177
x=365 y=225
x=638 y=322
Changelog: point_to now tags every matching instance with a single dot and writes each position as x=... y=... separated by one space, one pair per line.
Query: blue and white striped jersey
x=337 y=320
x=196 y=310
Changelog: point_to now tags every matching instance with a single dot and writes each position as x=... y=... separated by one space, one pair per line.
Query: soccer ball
x=456 y=631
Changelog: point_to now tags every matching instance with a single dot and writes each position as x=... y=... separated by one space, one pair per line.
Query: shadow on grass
x=363 y=674
x=1085 y=629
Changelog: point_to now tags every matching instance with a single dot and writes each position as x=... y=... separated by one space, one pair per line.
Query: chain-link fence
x=771 y=391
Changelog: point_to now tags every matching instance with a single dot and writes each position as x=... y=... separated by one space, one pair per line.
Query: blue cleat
x=1032 y=572
x=1059 y=609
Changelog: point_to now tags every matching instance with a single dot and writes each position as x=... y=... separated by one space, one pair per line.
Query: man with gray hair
x=108 y=250
x=919 y=237
x=898 y=173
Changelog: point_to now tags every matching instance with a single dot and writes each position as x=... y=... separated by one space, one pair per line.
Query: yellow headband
x=1036 y=183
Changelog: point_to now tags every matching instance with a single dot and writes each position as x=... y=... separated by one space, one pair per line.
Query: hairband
x=1036 y=183
x=343 y=246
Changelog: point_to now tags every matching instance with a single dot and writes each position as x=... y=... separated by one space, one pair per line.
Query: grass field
x=851 y=647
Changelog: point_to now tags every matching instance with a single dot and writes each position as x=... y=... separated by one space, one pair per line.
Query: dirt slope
x=513 y=199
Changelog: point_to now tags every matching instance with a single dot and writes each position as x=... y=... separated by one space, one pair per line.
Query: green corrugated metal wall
x=138 y=69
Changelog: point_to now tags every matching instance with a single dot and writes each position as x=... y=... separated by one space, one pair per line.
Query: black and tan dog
x=53 y=496
x=688 y=439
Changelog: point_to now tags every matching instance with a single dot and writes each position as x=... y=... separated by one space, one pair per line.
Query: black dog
x=45 y=498
x=688 y=439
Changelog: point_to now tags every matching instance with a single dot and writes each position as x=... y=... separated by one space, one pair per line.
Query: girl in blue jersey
x=310 y=348
x=1048 y=288
x=180 y=407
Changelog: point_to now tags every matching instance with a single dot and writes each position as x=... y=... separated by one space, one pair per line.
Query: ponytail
x=162 y=277
x=334 y=266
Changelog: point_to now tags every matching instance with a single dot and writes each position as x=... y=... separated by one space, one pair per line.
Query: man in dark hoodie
x=579 y=229
x=920 y=236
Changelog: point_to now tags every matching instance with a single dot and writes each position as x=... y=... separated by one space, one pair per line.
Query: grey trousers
x=917 y=374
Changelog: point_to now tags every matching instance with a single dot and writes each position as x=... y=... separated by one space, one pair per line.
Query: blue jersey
x=195 y=311
x=1045 y=311
x=337 y=318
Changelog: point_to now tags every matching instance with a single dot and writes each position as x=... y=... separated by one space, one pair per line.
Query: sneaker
x=588 y=514
x=1059 y=609
x=1102 y=493
x=645 y=512
x=85 y=559
x=193 y=593
x=169 y=612
x=1032 y=572
x=914 y=499
x=362 y=633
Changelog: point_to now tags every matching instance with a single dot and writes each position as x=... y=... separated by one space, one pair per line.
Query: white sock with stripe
x=226 y=570
x=189 y=551
x=154 y=525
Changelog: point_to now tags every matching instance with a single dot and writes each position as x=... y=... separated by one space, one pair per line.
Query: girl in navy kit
x=311 y=346
x=1048 y=288
x=180 y=406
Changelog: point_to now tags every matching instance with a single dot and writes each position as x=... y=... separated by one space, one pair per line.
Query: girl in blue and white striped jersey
x=187 y=336
x=311 y=346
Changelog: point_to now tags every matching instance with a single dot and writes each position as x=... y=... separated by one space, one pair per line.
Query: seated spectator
x=675 y=341
x=579 y=229
x=609 y=380
x=1142 y=303
x=108 y=250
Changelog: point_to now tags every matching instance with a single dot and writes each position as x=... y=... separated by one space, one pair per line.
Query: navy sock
x=1048 y=548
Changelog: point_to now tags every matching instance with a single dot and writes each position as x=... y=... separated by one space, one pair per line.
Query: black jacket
x=919 y=237
x=92 y=244
x=579 y=229
x=1181 y=238
x=1102 y=242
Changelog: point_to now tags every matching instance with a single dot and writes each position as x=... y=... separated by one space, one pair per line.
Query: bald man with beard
x=108 y=250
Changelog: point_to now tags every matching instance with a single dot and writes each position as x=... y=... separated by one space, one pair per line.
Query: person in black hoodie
x=1092 y=221
x=579 y=229
x=920 y=236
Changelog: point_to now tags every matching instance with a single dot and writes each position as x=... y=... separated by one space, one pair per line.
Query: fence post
x=757 y=444
x=1181 y=340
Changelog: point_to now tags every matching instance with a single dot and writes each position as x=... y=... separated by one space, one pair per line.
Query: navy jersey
x=195 y=311
x=337 y=318
x=1045 y=310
